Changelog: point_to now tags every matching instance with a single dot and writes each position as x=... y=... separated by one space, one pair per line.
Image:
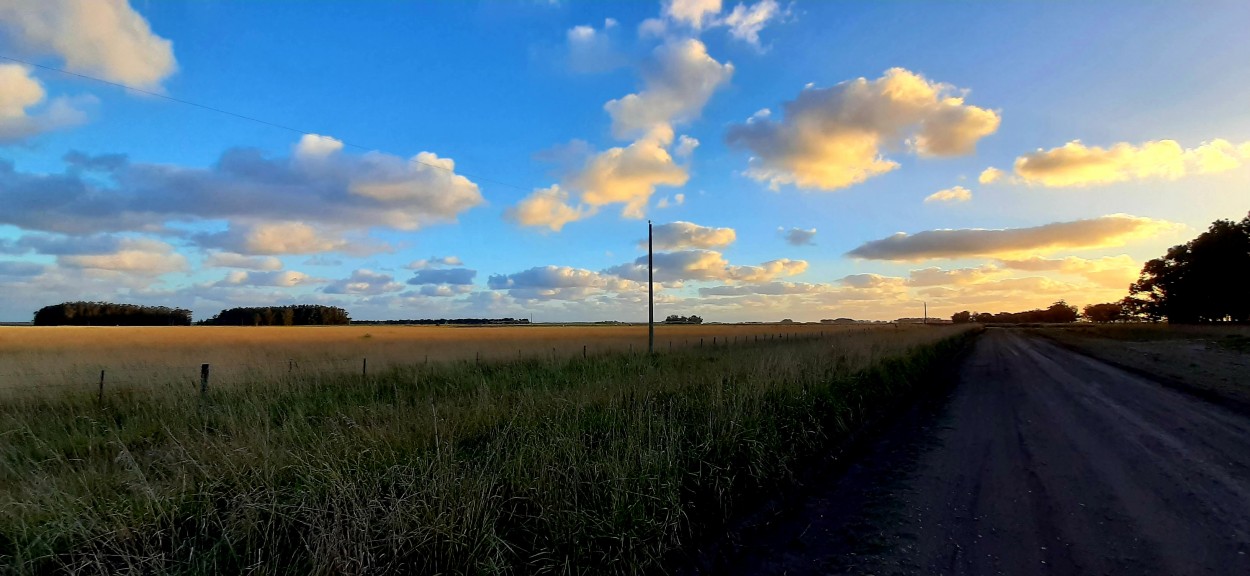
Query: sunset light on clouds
x=406 y=160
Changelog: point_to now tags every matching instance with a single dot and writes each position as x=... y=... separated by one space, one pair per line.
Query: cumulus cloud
x=335 y=191
x=277 y=279
x=626 y=176
x=835 y=137
x=138 y=256
x=453 y=276
x=692 y=13
x=1112 y=230
x=678 y=81
x=104 y=38
x=236 y=260
x=1108 y=271
x=676 y=200
x=547 y=208
x=559 y=283
x=21 y=111
x=703 y=265
x=941 y=277
x=364 y=282
x=952 y=194
x=434 y=262
x=746 y=23
x=1074 y=164
x=274 y=238
x=590 y=50
x=798 y=236
x=681 y=235
x=990 y=175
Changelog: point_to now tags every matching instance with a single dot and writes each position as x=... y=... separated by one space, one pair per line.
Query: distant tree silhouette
x=1102 y=313
x=961 y=317
x=675 y=319
x=110 y=314
x=1204 y=280
x=1058 y=312
x=298 y=315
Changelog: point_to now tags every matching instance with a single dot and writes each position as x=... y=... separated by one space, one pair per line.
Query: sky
x=803 y=160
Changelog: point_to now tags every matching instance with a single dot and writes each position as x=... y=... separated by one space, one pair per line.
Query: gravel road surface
x=1039 y=461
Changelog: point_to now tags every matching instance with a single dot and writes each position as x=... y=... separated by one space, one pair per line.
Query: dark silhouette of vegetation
x=1204 y=280
x=1102 y=313
x=110 y=314
x=1059 y=312
x=298 y=315
x=444 y=321
x=675 y=319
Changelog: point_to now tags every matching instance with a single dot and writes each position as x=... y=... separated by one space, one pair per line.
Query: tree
x=1108 y=312
x=961 y=317
x=1203 y=280
x=1060 y=312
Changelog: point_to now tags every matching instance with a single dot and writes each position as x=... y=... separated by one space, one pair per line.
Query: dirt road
x=1040 y=461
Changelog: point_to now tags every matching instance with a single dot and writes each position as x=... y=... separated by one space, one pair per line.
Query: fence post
x=700 y=342
x=290 y=366
x=203 y=379
x=364 y=369
x=713 y=341
x=101 y=398
x=583 y=351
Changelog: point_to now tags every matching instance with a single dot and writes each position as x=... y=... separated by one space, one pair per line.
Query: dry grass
x=38 y=357
x=610 y=464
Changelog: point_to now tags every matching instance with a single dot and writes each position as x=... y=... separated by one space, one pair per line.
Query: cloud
x=990 y=176
x=681 y=235
x=434 y=262
x=547 y=208
x=364 y=282
x=138 y=256
x=590 y=50
x=21 y=94
x=317 y=146
x=746 y=23
x=276 y=278
x=1108 y=271
x=942 y=277
x=1113 y=230
x=953 y=194
x=767 y=288
x=248 y=189
x=685 y=146
x=104 y=38
x=692 y=13
x=678 y=81
x=1076 y=165
x=13 y=268
x=704 y=265
x=454 y=276
x=798 y=236
x=626 y=176
x=236 y=260
x=677 y=200
x=274 y=238
x=444 y=290
x=559 y=283
x=834 y=137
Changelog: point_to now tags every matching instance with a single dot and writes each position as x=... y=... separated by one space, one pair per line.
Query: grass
x=608 y=464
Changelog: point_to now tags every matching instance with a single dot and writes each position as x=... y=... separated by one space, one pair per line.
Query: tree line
x=298 y=315
x=1060 y=311
x=110 y=314
x=675 y=319
x=445 y=321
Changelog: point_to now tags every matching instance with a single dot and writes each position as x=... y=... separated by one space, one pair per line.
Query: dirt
x=1039 y=461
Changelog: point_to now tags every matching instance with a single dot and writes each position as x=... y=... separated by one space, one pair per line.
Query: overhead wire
x=237 y=115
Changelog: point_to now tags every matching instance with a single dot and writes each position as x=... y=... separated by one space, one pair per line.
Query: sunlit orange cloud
x=1075 y=165
x=1013 y=243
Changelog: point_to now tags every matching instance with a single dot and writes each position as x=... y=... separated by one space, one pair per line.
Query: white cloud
x=1108 y=271
x=364 y=281
x=678 y=82
x=559 y=283
x=547 y=208
x=277 y=278
x=137 y=256
x=746 y=23
x=942 y=277
x=1112 y=230
x=276 y=238
x=591 y=50
x=676 y=200
x=626 y=176
x=450 y=276
x=692 y=13
x=835 y=137
x=952 y=194
x=703 y=265
x=317 y=146
x=236 y=260
x=798 y=236
x=21 y=113
x=105 y=38
x=1075 y=165
x=681 y=235
x=434 y=262
x=685 y=146
x=990 y=175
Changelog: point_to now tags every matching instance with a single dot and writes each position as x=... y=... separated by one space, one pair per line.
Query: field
x=616 y=462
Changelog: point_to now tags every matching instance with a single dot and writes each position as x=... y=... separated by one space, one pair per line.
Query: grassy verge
x=602 y=465
x=1211 y=361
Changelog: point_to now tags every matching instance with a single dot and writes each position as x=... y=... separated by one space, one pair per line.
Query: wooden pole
x=203 y=379
x=650 y=291
x=101 y=398
x=364 y=369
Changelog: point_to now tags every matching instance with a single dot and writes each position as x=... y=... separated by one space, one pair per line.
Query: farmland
x=612 y=463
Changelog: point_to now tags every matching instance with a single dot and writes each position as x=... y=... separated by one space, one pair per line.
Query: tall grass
x=608 y=464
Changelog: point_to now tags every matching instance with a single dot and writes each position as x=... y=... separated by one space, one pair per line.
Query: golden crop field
x=43 y=357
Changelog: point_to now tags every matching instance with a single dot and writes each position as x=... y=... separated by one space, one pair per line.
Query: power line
x=245 y=117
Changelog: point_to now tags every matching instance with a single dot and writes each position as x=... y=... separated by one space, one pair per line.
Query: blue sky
x=502 y=159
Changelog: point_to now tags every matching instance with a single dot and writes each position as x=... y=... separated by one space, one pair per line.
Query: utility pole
x=650 y=291
x=926 y=312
